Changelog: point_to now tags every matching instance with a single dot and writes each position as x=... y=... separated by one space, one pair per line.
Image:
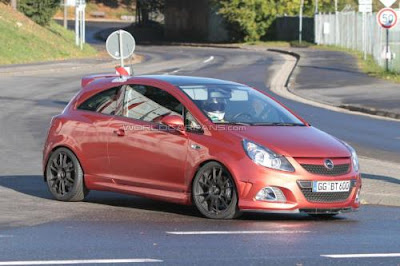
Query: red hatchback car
x=220 y=145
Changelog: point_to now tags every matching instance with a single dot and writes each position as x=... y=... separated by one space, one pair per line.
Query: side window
x=104 y=102
x=149 y=104
x=191 y=123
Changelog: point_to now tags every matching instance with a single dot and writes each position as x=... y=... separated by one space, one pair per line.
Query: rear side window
x=105 y=102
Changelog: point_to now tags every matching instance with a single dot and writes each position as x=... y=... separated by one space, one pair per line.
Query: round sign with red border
x=387 y=18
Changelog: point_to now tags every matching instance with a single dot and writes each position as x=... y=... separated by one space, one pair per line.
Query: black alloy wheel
x=214 y=192
x=64 y=176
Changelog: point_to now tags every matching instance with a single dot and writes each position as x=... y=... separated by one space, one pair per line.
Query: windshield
x=230 y=104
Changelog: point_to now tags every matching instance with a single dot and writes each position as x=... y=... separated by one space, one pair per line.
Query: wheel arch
x=65 y=146
x=235 y=181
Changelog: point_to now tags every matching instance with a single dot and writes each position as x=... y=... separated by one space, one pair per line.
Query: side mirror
x=174 y=121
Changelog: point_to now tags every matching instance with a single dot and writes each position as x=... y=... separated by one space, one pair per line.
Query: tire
x=214 y=192
x=64 y=176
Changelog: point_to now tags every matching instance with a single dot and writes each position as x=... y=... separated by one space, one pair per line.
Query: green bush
x=246 y=20
x=40 y=11
x=252 y=20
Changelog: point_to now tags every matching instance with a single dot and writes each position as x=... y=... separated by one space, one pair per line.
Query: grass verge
x=23 y=41
x=280 y=44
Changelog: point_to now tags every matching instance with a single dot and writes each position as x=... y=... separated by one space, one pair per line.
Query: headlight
x=267 y=158
x=354 y=158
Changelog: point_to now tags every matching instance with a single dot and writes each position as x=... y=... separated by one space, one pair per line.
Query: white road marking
x=6 y=236
x=209 y=59
x=69 y=262
x=376 y=255
x=175 y=71
x=233 y=232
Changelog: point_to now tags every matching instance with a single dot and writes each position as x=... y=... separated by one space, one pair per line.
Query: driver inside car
x=215 y=106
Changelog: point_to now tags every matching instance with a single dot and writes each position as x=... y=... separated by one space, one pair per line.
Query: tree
x=145 y=7
x=250 y=20
x=40 y=11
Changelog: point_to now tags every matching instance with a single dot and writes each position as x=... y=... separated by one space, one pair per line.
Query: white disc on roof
x=120 y=39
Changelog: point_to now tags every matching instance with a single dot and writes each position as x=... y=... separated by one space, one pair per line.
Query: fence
x=352 y=30
x=287 y=29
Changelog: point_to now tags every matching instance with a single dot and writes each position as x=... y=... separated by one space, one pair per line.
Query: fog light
x=271 y=194
x=357 y=200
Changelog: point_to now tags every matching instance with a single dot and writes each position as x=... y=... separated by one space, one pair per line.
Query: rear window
x=104 y=102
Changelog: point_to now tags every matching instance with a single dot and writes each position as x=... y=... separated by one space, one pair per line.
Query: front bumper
x=297 y=191
x=308 y=211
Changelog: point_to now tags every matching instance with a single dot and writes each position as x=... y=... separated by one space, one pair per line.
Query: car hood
x=295 y=141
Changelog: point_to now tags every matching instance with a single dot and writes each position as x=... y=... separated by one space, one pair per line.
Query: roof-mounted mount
x=120 y=45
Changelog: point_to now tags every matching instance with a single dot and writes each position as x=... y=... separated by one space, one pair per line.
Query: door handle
x=119 y=132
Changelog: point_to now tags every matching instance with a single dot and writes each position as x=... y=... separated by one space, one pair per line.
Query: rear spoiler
x=121 y=72
x=88 y=79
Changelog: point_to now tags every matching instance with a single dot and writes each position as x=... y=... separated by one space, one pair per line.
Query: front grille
x=326 y=211
x=306 y=188
x=339 y=169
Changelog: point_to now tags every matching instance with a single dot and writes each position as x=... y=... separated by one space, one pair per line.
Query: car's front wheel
x=64 y=176
x=214 y=192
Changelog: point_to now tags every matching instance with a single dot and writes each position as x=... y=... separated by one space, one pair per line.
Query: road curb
x=290 y=93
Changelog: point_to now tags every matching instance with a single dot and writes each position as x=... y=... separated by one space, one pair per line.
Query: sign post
x=387 y=19
x=336 y=23
x=387 y=50
x=80 y=6
x=301 y=21
x=120 y=45
x=364 y=6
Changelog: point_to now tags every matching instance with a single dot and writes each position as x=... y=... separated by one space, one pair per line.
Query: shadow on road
x=34 y=186
x=381 y=178
x=44 y=102
x=355 y=72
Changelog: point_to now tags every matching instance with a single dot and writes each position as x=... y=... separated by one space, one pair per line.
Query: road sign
x=365 y=2
x=365 y=8
x=120 y=45
x=388 y=3
x=387 y=18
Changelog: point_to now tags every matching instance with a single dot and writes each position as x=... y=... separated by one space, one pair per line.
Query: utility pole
x=301 y=21
x=65 y=14
x=14 y=4
x=316 y=22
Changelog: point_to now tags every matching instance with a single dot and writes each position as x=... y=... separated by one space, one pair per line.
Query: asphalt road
x=33 y=227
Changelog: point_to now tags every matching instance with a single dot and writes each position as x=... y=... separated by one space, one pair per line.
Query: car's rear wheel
x=214 y=192
x=64 y=176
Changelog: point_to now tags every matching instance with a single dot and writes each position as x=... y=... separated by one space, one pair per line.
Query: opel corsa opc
x=220 y=145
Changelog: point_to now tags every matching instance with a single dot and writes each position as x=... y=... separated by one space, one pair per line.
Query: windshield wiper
x=281 y=124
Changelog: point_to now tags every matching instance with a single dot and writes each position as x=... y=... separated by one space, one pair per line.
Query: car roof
x=189 y=80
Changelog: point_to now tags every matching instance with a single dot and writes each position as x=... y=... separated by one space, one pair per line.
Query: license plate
x=331 y=186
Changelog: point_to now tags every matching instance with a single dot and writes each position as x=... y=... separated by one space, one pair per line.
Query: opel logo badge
x=329 y=164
